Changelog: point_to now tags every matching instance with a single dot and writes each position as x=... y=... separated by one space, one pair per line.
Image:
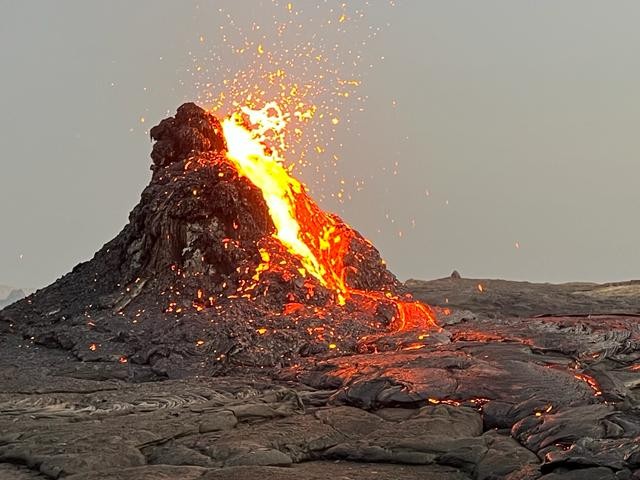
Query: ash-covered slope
x=177 y=288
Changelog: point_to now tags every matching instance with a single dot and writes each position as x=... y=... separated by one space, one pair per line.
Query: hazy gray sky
x=520 y=119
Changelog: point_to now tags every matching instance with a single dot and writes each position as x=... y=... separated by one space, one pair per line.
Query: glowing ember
x=591 y=382
x=255 y=146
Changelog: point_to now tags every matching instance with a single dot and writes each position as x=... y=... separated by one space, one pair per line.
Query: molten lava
x=255 y=142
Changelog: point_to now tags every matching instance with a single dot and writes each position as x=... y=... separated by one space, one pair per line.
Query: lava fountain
x=255 y=141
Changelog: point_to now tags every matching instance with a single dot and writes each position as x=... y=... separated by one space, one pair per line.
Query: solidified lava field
x=194 y=345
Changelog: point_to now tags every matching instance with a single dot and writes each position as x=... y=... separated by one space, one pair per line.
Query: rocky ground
x=194 y=345
x=504 y=391
x=525 y=299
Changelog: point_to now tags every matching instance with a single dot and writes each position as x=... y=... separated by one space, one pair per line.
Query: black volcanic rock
x=191 y=131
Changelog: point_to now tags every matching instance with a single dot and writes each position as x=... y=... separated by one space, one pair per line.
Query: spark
x=310 y=68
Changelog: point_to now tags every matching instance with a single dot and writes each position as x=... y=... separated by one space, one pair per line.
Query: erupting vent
x=226 y=262
x=254 y=140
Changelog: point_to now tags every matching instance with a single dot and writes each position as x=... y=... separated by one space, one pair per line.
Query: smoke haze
x=499 y=138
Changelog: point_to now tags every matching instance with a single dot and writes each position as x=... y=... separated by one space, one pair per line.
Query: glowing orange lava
x=255 y=144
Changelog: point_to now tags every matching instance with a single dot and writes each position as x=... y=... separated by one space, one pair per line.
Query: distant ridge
x=9 y=295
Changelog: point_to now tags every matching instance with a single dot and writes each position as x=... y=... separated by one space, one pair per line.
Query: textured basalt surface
x=123 y=370
x=553 y=397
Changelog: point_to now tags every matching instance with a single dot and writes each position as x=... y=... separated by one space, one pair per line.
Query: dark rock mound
x=175 y=289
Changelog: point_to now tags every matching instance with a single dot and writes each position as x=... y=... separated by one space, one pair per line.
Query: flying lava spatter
x=297 y=69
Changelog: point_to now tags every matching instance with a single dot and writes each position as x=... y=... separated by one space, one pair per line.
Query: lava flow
x=255 y=141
